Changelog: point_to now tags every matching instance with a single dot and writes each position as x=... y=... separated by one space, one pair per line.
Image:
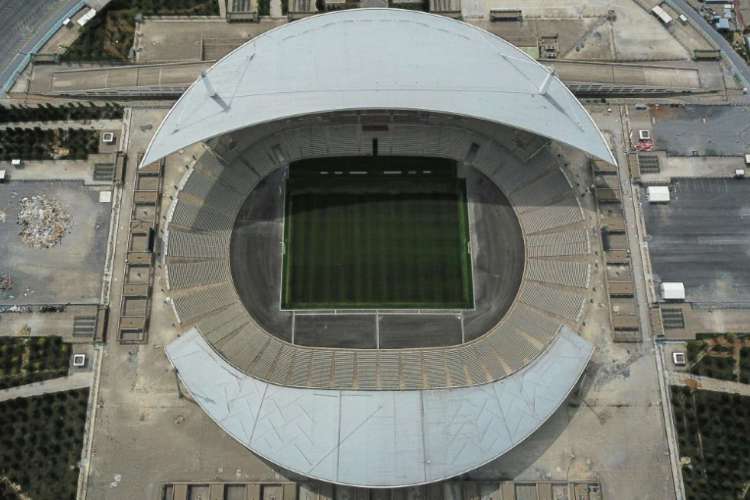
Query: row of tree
x=47 y=144
x=32 y=359
x=20 y=113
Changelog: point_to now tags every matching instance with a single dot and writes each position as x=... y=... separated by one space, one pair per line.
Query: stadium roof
x=377 y=59
x=380 y=438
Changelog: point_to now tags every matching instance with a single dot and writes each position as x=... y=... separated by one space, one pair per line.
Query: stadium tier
x=552 y=291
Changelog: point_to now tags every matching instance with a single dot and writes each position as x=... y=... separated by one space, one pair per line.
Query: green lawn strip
x=380 y=224
x=430 y=280
x=358 y=247
x=368 y=287
x=24 y=360
x=416 y=230
x=418 y=246
x=315 y=225
x=302 y=220
x=341 y=240
x=446 y=263
x=288 y=259
x=397 y=279
x=745 y=365
x=464 y=239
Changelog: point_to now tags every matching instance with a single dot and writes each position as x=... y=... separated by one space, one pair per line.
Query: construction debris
x=6 y=281
x=44 y=221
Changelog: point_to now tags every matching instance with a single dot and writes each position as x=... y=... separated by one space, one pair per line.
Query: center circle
x=260 y=239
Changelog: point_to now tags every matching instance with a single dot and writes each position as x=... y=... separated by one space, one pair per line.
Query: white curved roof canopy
x=380 y=439
x=377 y=59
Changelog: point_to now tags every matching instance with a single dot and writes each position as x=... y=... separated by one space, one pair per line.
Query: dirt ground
x=70 y=272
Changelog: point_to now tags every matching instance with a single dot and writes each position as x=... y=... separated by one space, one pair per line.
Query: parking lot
x=702 y=238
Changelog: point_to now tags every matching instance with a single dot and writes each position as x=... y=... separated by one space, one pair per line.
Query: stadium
x=377 y=259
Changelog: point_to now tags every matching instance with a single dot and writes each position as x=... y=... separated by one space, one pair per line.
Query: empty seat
x=198 y=302
x=343 y=140
x=566 y=305
x=560 y=244
x=200 y=218
x=565 y=273
x=343 y=368
x=190 y=274
x=541 y=192
x=300 y=368
x=208 y=244
x=367 y=366
x=434 y=366
x=533 y=323
x=488 y=158
x=388 y=368
x=260 y=160
x=411 y=369
x=221 y=324
x=512 y=347
x=566 y=212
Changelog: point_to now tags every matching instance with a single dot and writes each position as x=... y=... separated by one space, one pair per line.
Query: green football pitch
x=376 y=233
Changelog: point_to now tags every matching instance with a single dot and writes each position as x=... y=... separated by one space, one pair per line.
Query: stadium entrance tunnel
x=378 y=287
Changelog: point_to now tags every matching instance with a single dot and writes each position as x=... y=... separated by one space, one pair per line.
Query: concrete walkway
x=709 y=384
x=78 y=380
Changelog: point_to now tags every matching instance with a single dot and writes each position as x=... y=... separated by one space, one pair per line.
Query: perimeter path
x=25 y=26
x=78 y=380
x=708 y=384
x=739 y=64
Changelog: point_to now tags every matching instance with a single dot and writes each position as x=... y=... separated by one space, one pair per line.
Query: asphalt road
x=739 y=64
x=23 y=25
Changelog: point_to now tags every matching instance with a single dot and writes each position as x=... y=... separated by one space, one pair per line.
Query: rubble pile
x=43 y=221
x=6 y=281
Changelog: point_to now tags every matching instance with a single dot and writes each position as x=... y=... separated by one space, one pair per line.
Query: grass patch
x=720 y=356
x=713 y=431
x=715 y=362
x=745 y=365
x=32 y=359
x=40 y=445
x=109 y=36
x=365 y=238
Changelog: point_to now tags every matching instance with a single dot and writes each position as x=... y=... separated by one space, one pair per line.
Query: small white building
x=79 y=360
x=88 y=16
x=658 y=194
x=673 y=290
x=662 y=15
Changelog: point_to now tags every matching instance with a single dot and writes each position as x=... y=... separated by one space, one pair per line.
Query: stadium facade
x=385 y=83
